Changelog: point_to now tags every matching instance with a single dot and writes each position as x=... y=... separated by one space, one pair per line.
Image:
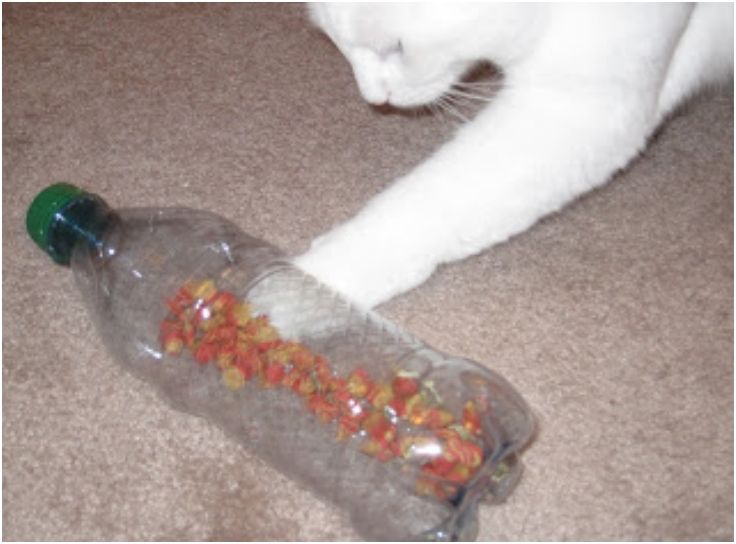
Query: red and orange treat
x=390 y=420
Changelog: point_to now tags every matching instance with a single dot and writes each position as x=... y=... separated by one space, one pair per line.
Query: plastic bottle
x=403 y=437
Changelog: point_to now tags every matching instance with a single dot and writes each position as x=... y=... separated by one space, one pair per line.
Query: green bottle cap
x=63 y=213
x=44 y=208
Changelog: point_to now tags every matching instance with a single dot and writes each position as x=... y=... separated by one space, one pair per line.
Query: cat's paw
x=364 y=274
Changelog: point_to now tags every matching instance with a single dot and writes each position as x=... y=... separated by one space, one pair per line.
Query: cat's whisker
x=483 y=82
x=447 y=105
x=434 y=109
x=438 y=107
x=469 y=95
x=477 y=84
x=462 y=103
x=455 y=102
x=485 y=88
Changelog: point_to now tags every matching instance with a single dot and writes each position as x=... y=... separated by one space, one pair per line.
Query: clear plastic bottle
x=405 y=438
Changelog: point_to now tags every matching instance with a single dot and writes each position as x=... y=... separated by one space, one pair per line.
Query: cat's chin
x=409 y=98
x=421 y=98
x=414 y=106
x=398 y=106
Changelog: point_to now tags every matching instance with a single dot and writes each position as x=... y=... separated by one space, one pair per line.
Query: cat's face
x=409 y=55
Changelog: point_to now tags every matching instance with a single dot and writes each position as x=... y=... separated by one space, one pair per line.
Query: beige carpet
x=613 y=318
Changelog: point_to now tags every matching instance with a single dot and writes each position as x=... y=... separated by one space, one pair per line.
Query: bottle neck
x=84 y=220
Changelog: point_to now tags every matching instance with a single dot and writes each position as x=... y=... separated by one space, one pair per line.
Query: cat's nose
x=369 y=75
x=375 y=94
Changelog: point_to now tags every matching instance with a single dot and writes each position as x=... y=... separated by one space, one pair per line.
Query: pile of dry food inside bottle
x=398 y=419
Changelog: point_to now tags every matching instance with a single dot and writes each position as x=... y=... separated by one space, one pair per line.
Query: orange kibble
x=204 y=290
x=321 y=362
x=205 y=353
x=180 y=302
x=349 y=405
x=370 y=447
x=172 y=336
x=374 y=420
x=459 y=474
x=343 y=432
x=225 y=333
x=386 y=453
x=474 y=456
x=233 y=378
x=414 y=403
x=265 y=347
x=274 y=373
x=189 y=334
x=456 y=449
x=379 y=428
x=225 y=359
x=304 y=385
x=174 y=345
x=384 y=433
x=419 y=415
x=322 y=371
x=265 y=333
x=388 y=434
x=438 y=417
x=405 y=386
x=359 y=383
x=394 y=447
x=239 y=314
x=302 y=359
x=438 y=467
x=223 y=301
x=248 y=363
x=290 y=379
x=280 y=355
x=381 y=395
x=376 y=449
x=417 y=411
x=337 y=385
x=206 y=320
x=471 y=418
x=322 y=408
x=209 y=337
x=242 y=343
x=254 y=324
x=347 y=427
x=398 y=406
x=343 y=396
x=323 y=382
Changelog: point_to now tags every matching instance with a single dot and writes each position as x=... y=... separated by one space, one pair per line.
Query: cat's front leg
x=533 y=150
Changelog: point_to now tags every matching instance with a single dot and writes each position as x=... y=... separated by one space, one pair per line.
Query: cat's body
x=584 y=87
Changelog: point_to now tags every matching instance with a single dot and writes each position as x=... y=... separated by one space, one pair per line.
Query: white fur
x=584 y=87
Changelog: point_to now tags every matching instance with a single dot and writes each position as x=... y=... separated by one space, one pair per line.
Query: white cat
x=583 y=88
